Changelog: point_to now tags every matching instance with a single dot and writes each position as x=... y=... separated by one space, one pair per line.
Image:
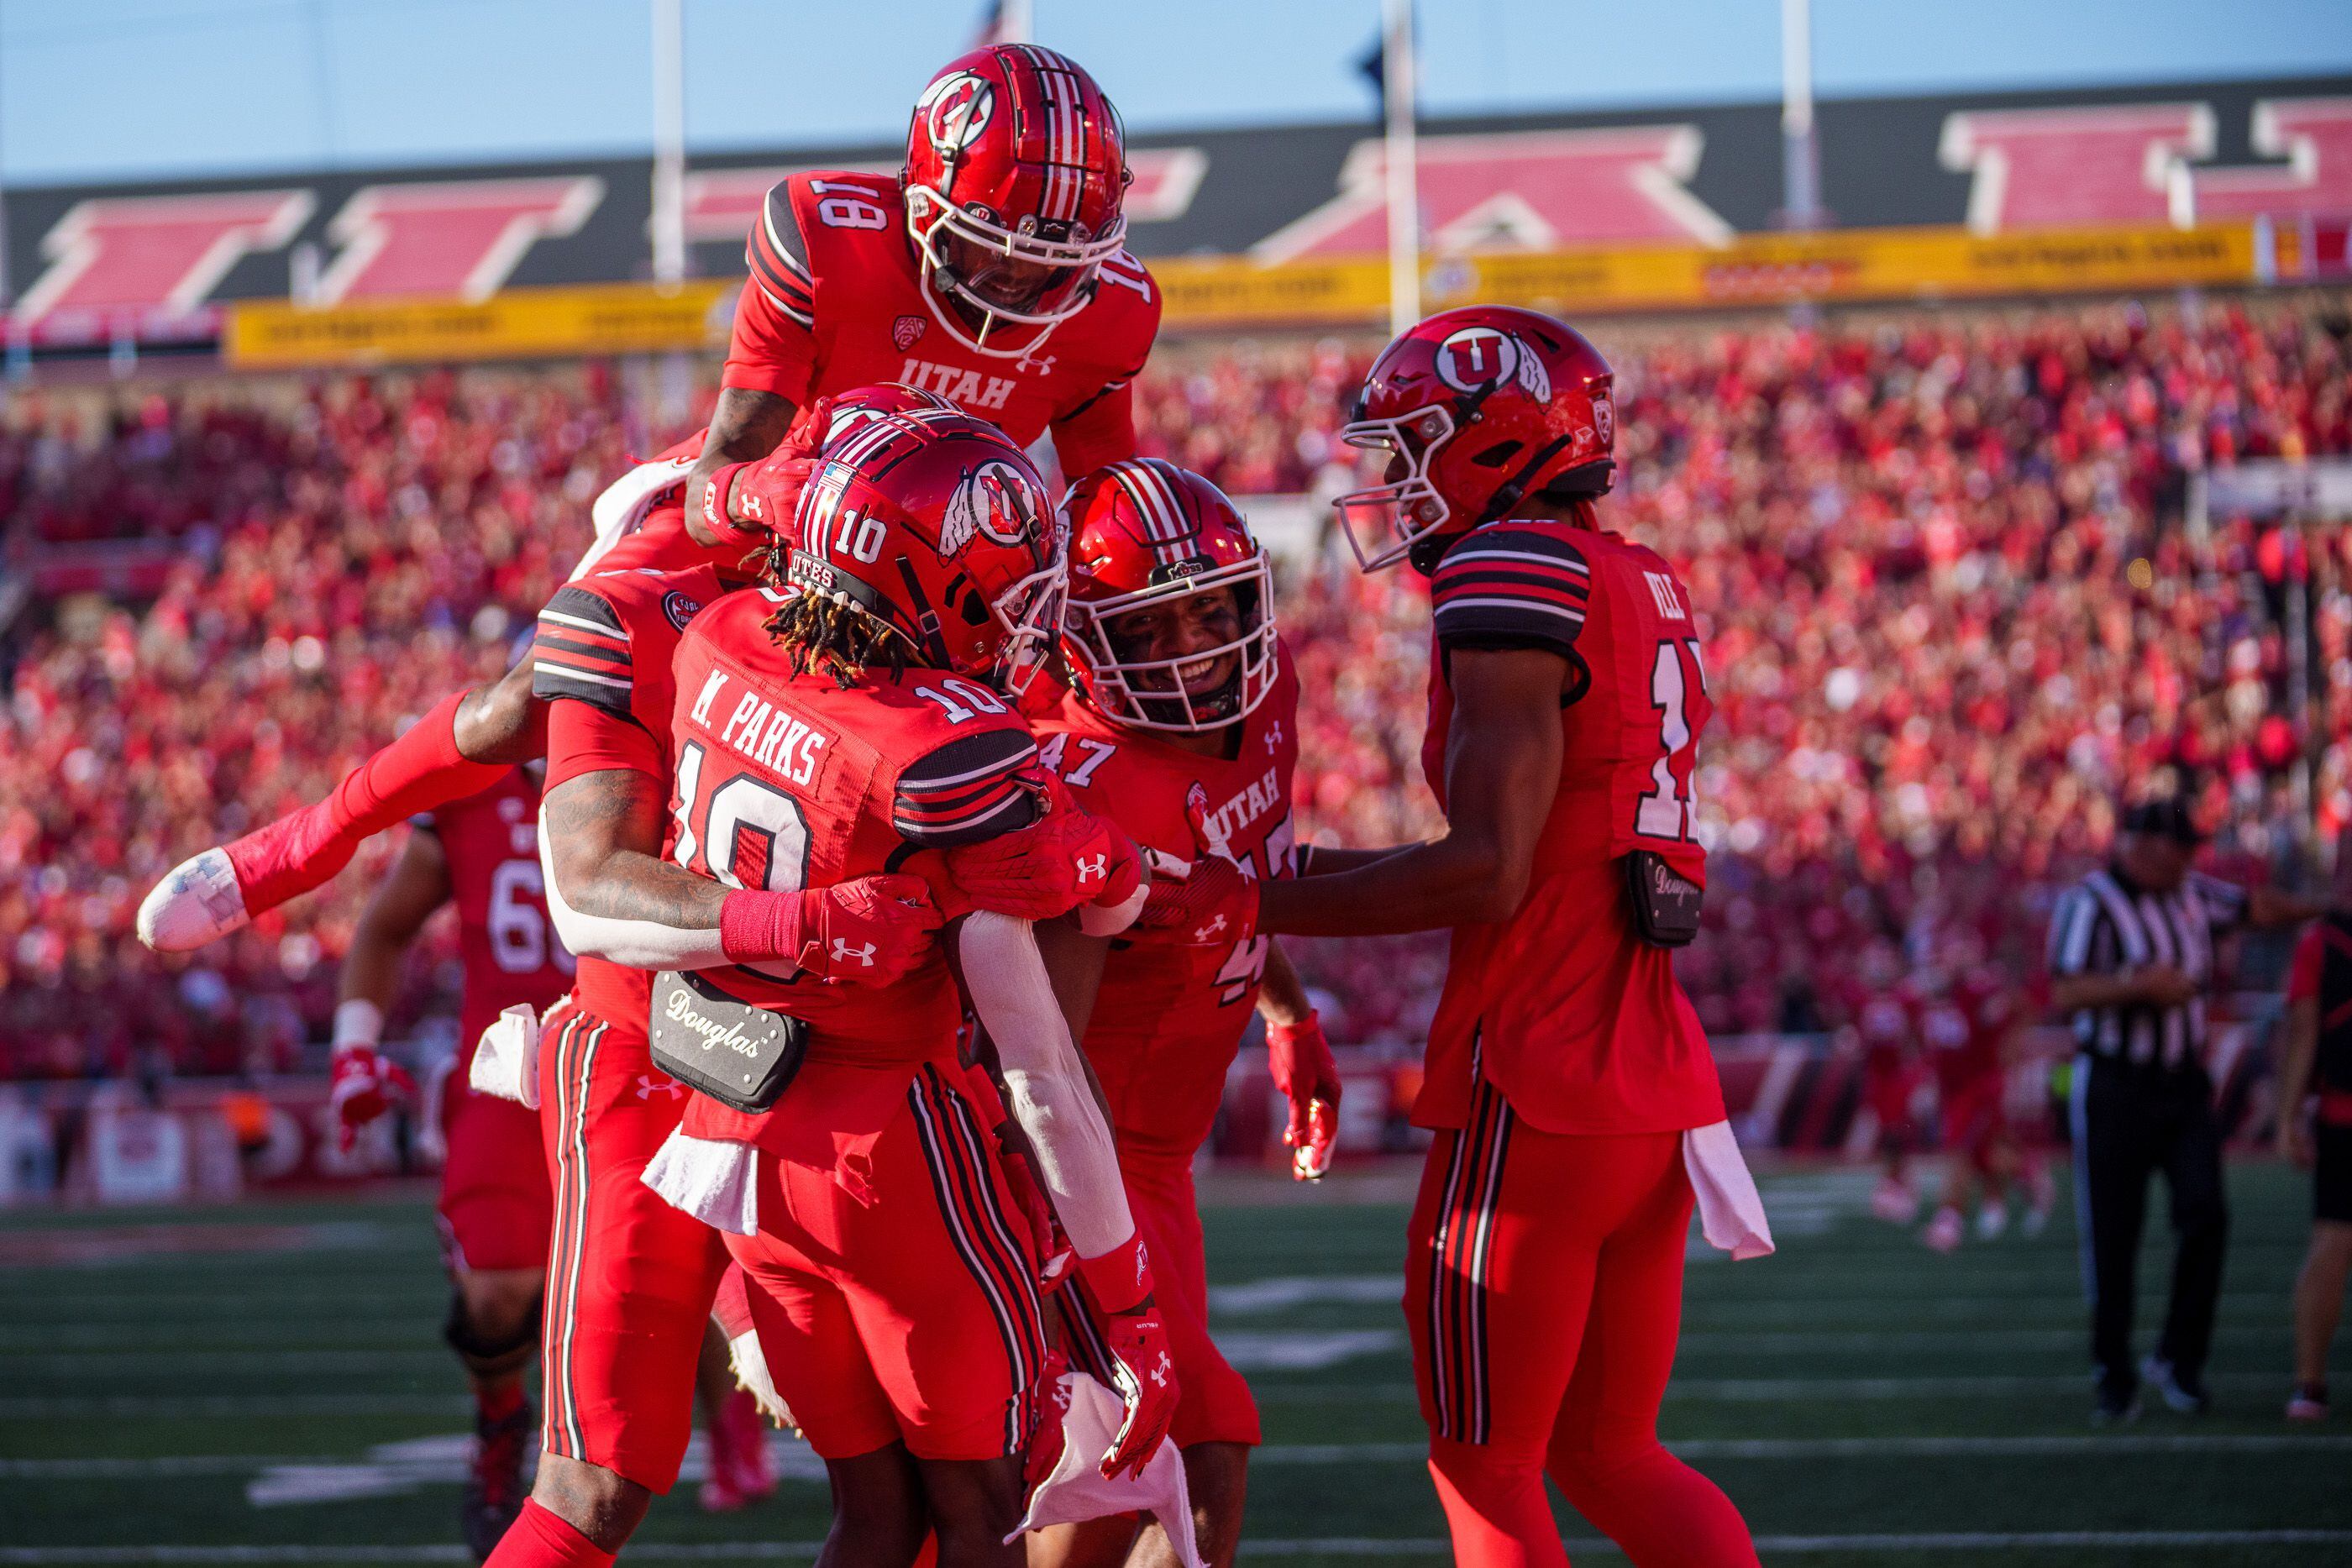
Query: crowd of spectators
x=1951 y=600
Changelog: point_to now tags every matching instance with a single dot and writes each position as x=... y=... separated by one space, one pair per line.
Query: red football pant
x=892 y=1279
x=1213 y=1401
x=496 y=1207
x=630 y=1279
x=1543 y=1297
x=1975 y=1120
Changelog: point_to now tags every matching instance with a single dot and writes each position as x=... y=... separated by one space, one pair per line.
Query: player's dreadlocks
x=827 y=632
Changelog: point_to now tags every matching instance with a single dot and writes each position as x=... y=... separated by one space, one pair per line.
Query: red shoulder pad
x=1512 y=585
x=592 y=635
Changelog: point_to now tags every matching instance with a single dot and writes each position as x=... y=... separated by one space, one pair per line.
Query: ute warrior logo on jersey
x=995 y=500
x=1478 y=358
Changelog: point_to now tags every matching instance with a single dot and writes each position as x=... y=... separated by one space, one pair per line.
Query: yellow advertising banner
x=1224 y=292
x=1208 y=292
x=521 y=323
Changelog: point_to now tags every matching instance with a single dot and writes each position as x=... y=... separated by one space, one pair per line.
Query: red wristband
x=754 y=927
x=1121 y=1277
x=715 y=514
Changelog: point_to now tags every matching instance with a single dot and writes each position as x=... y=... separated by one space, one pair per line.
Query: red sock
x=499 y=1400
x=540 y=1539
x=420 y=770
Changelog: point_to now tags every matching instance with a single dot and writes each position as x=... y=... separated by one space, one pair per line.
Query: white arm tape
x=358 y=1022
x=639 y=943
x=1046 y=1081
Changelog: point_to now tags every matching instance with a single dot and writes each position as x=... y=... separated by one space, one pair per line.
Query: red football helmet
x=938 y=526
x=1483 y=407
x=1145 y=532
x=1016 y=167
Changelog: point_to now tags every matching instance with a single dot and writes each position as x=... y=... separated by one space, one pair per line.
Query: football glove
x=870 y=931
x=1065 y=858
x=1141 y=1368
x=745 y=500
x=1300 y=1059
x=362 y=1086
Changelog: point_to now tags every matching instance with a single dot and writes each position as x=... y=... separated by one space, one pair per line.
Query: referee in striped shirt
x=2131 y=954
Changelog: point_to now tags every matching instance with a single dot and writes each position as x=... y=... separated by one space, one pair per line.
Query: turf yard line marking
x=1866 y=1447
x=235 y=1405
x=153 y=1464
x=1328 y=1546
x=1287 y=1454
x=294 y=1362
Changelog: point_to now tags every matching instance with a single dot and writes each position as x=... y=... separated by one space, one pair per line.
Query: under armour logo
x=1211 y=929
x=1039 y=364
x=752 y=505
x=648 y=1087
x=842 y=952
x=1160 y=1370
x=1092 y=869
x=1272 y=738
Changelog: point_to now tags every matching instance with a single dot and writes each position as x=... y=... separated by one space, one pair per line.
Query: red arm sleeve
x=1099 y=431
x=771 y=352
x=584 y=738
x=2303 y=973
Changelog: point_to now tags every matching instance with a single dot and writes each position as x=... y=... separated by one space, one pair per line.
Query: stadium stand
x=1952 y=605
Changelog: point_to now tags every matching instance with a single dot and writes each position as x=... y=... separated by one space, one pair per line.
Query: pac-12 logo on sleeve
x=1477 y=357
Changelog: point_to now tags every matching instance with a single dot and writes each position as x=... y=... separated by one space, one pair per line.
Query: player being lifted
x=1566 y=696
x=482 y=855
x=857 y=716
x=1003 y=231
x=631 y=1279
x=1184 y=711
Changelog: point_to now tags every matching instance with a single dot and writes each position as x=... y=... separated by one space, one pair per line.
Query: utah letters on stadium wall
x=1998 y=162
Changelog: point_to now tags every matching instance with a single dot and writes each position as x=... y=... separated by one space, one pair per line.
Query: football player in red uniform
x=1892 y=1076
x=1182 y=725
x=631 y=1279
x=1967 y=1022
x=482 y=853
x=1566 y=697
x=859 y=717
x=993 y=271
x=1003 y=228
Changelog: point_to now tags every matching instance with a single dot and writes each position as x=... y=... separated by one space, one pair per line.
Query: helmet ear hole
x=1496 y=455
x=974 y=609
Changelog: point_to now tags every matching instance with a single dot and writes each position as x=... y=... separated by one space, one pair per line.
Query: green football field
x=266 y=1383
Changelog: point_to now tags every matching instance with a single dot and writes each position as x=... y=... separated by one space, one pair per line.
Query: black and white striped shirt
x=2105 y=924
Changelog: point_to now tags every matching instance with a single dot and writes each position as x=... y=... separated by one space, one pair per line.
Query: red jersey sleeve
x=1511 y=585
x=581 y=651
x=1098 y=426
x=2303 y=971
x=584 y=738
x=774 y=348
x=1099 y=432
x=966 y=790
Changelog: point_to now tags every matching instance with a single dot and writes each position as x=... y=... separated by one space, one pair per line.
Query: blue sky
x=102 y=89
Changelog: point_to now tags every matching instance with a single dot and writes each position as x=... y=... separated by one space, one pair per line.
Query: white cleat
x=199 y=902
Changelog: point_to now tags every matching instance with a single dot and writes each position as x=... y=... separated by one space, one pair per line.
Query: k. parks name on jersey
x=777 y=741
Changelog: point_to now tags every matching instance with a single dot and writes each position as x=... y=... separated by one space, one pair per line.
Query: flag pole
x=1403 y=184
x=1801 y=162
x=1013 y=24
x=670 y=140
